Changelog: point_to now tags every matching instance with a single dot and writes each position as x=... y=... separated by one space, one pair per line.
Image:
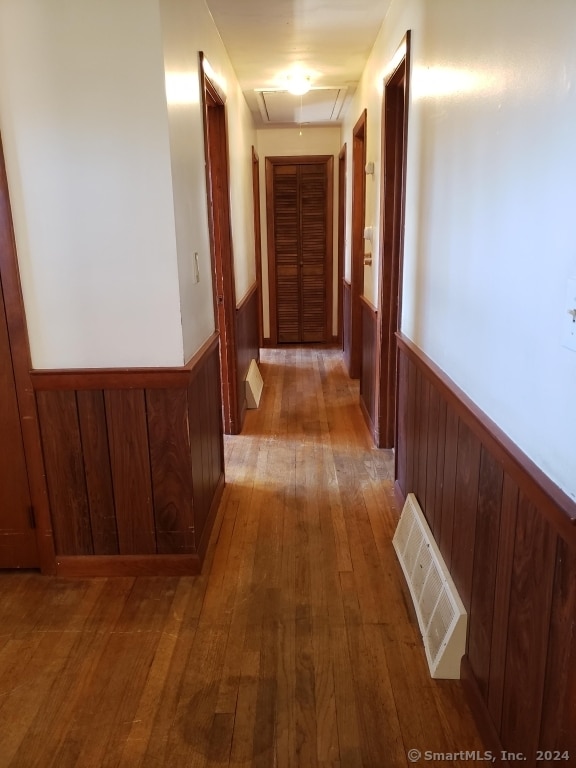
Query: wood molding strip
x=123 y=378
x=368 y=304
x=79 y=567
x=247 y=298
x=556 y=505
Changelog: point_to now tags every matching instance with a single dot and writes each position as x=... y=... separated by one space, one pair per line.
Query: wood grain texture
x=498 y=651
x=528 y=630
x=128 y=476
x=172 y=482
x=94 y=435
x=557 y=729
x=293 y=646
x=509 y=542
x=130 y=463
x=465 y=508
x=485 y=568
x=300 y=247
x=63 y=457
x=557 y=506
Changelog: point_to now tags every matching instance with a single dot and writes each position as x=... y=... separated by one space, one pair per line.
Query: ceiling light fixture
x=298 y=84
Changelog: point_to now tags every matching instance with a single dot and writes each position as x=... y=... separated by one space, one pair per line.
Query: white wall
x=490 y=238
x=103 y=138
x=187 y=29
x=276 y=142
x=83 y=120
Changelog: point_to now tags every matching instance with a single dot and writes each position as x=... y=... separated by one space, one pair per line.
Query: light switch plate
x=569 y=316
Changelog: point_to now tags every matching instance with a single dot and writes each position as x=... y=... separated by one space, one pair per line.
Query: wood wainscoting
x=247 y=343
x=134 y=465
x=368 y=366
x=508 y=536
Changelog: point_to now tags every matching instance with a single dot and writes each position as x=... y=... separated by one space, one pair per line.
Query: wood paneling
x=130 y=462
x=368 y=366
x=65 y=473
x=171 y=479
x=509 y=540
x=94 y=436
x=528 y=629
x=133 y=474
x=557 y=730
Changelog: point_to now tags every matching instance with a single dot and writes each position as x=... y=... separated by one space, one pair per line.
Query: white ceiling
x=329 y=40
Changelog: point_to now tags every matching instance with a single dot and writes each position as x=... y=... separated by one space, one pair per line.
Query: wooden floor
x=295 y=647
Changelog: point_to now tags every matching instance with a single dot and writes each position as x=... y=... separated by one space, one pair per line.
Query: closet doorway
x=299 y=208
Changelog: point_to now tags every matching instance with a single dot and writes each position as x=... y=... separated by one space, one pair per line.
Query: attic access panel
x=319 y=105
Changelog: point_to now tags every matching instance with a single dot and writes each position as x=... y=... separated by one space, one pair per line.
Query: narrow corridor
x=294 y=647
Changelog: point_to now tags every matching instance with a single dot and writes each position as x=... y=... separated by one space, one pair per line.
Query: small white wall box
x=441 y=614
x=254 y=385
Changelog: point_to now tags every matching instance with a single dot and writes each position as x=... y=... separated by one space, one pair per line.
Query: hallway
x=295 y=647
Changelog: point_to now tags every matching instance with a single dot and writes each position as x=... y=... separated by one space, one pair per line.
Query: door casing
x=21 y=366
x=220 y=229
x=392 y=214
x=357 y=244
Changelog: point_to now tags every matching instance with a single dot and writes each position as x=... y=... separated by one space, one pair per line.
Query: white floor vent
x=441 y=614
x=254 y=386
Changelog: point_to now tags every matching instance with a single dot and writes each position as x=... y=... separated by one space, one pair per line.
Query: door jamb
x=357 y=243
x=22 y=365
x=341 y=235
x=219 y=225
x=395 y=104
x=258 y=241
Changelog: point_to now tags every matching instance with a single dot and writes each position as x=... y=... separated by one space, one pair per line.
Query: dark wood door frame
x=357 y=243
x=300 y=160
x=257 y=241
x=341 y=234
x=392 y=209
x=218 y=199
x=21 y=362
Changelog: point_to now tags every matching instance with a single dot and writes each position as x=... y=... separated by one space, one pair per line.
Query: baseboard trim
x=89 y=566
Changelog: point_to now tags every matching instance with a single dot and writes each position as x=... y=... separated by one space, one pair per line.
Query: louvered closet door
x=300 y=220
